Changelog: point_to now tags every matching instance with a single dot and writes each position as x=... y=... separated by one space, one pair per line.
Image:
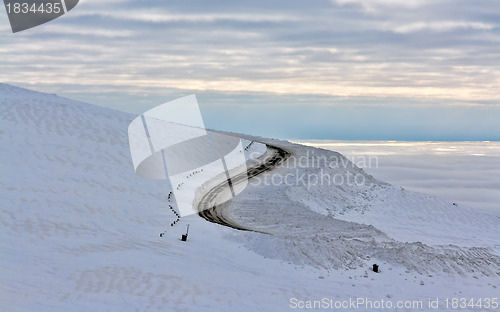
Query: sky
x=294 y=69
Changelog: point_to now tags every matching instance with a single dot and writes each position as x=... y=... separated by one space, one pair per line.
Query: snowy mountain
x=79 y=229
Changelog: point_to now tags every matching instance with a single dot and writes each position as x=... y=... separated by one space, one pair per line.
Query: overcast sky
x=297 y=69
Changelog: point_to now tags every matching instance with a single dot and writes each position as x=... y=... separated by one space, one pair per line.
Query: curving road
x=215 y=214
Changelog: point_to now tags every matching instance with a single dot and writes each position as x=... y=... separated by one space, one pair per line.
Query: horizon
x=238 y=125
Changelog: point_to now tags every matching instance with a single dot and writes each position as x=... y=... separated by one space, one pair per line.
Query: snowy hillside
x=79 y=229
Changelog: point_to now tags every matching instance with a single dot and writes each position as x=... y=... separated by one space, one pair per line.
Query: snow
x=79 y=229
x=167 y=143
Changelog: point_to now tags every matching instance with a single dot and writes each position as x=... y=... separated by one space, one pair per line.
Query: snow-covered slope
x=79 y=230
x=334 y=223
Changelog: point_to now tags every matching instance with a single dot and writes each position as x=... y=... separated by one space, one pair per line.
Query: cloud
x=286 y=48
x=406 y=52
x=379 y=5
x=442 y=26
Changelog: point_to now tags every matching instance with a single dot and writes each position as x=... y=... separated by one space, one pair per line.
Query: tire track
x=215 y=214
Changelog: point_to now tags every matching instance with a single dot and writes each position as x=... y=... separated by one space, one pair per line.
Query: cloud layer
x=461 y=172
x=445 y=52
